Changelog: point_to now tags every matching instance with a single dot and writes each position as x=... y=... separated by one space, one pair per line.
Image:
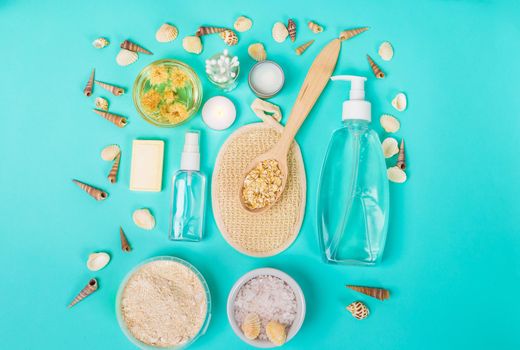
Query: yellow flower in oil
x=174 y=112
x=158 y=75
x=169 y=95
x=178 y=77
x=151 y=100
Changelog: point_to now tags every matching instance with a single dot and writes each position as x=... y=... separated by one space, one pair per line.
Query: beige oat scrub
x=262 y=184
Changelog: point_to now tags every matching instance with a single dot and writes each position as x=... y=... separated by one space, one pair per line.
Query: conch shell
x=115 y=90
x=97 y=261
x=386 y=51
x=257 y=52
x=229 y=37
x=375 y=68
x=127 y=44
x=125 y=246
x=144 y=219
x=101 y=103
x=126 y=57
x=243 y=24
x=396 y=174
x=389 y=123
x=276 y=333
x=400 y=102
x=315 y=27
x=166 y=33
x=90 y=288
x=401 y=159
x=116 y=119
x=280 y=32
x=192 y=44
x=100 y=43
x=90 y=84
x=112 y=175
x=358 y=310
x=350 y=33
x=209 y=30
x=301 y=49
x=94 y=192
x=378 y=293
x=291 y=28
x=390 y=147
x=110 y=152
x=251 y=326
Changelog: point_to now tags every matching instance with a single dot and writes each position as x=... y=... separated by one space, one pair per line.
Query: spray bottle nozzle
x=356 y=107
x=357 y=87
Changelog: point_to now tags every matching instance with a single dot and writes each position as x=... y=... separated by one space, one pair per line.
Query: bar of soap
x=147 y=165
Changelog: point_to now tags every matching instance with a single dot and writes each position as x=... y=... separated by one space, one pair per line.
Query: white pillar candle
x=266 y=79
x=219 y=113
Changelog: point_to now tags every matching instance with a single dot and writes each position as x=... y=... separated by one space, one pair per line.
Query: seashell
x=301 y=49
x=375 y=68
x=125 y=246
x=389 y=123
x=209 y=30
x=243 y=24
x=101 y=103
x=128 y=45
x=358 y=310
x=90 y=288
x=116 y=119
x=94 y=192
x=90 y=84
x=276 y=333
x=192 y=44
x=229 y=37
x=100 y=43
x=166 y=33
x=280 y=32
x=257 y=52
x=251 y=326
x=386 y=51
x=396 y=174
x=400 y=102
x=378 y=293
x=112 y=175
x=144 y=219
x=390 y=147
x=291 y=28
x=126 y=57
x=350 y=33
x=315 y=27
x=401 y=159
x=96 y=261
x=115 y=90
x=110 y=152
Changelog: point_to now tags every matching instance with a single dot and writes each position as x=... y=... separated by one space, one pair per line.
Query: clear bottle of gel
x=353 y=199
x=188 y=194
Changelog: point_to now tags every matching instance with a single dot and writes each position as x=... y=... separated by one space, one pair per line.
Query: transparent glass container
x=229 y=84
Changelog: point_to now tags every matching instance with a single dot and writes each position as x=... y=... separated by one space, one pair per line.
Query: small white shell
x=192 y=44
x=395 y=174
x=251 y=326
x=389 y=123
x=166 y=33
x=400 y=102
x=110 y=152
x=100 y=43
x=257 y=52
x=101 y=103
x=126 y=57
x=243 y=24
x=390 y=147
x=96 y=261
x=280 y=32
x=144 y=219
x=386 y=51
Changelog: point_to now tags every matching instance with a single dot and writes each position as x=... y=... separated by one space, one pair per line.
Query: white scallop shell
x=243 y=24
x=100 y=43
x=395 y=174
x=110 y=152
x=400 y=102
x=280 y=32
x=96 y=261
x=101 y=103
x=144 y=219
x=251 y=326
x=126 y=57
x=166 y=33
x=386 y=51
x=257 y=52
x=192 y=44
x=390 y=147
x=389 y=123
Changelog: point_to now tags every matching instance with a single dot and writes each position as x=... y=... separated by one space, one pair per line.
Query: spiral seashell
x=125 y=246
x=101 y=103
x=291 y=28
x=251 y=326
x=257 y=52
x=209 y=30
x=396 y=174
x=166 y=33
x=375 y=68
x=315 y=27
x=144 y=219
x=94 y=192
x=350 y=33
x=401 y=158
x=115 y=90
x=390 y=148
x=229 y=37
x=243 y=24
x=128 y=45
x=192 y=44
x=112 y=175
x=110 y=152
x=90 y=84
x=358 y=310
x=126 y=57
x=276 y=333
x=389 y=123
x=117 y=120
x=386 y=51
x=378 y=293
x=100 y=43
x=400 y=102
x=301 y=49
x=97 y=261
x=90 y=288
x=279 y=32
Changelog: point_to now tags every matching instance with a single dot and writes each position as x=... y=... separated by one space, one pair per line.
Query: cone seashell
x=401 y=159
x=96 y=193
x=386 y=51
x=301 y=49
x=400 y=102
x=90 y=288
x=115 y=90
x=396 y=174
x=100 y=43
x=257 y=52
x=350 y=33
x=280 y=32
x=117 y=120
x=251 y=326
x=110 y=152
x=90 y=84
x=358 y=310
x=126 y=57
x=390 y=147
x=378 y=293
x=112 y=175
x=166 y=33
x=209 y=30
x=229 y=37
x=101 y=103
x=291 y=28
x=144 y=219
x=375 y=68
x=97 y=261
x=125 y=246
x=276 y=333
x=389 y=123
x=128 y=45
x=315 y=27
x=243 y=24
x=192 y=44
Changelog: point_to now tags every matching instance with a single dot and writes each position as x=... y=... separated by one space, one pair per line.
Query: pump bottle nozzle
x=356 y=107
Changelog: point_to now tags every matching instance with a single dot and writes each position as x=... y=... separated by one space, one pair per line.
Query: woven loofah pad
x=272 y=231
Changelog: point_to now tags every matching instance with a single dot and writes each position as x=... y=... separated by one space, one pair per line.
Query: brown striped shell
x=358 y=310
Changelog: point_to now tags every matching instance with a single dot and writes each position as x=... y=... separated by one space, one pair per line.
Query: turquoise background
x=452 y=253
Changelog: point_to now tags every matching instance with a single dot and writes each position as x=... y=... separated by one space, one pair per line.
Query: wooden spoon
x=313 y=85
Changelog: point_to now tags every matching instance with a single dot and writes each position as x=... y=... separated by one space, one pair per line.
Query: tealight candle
x=266 y=79
x=219 y=113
